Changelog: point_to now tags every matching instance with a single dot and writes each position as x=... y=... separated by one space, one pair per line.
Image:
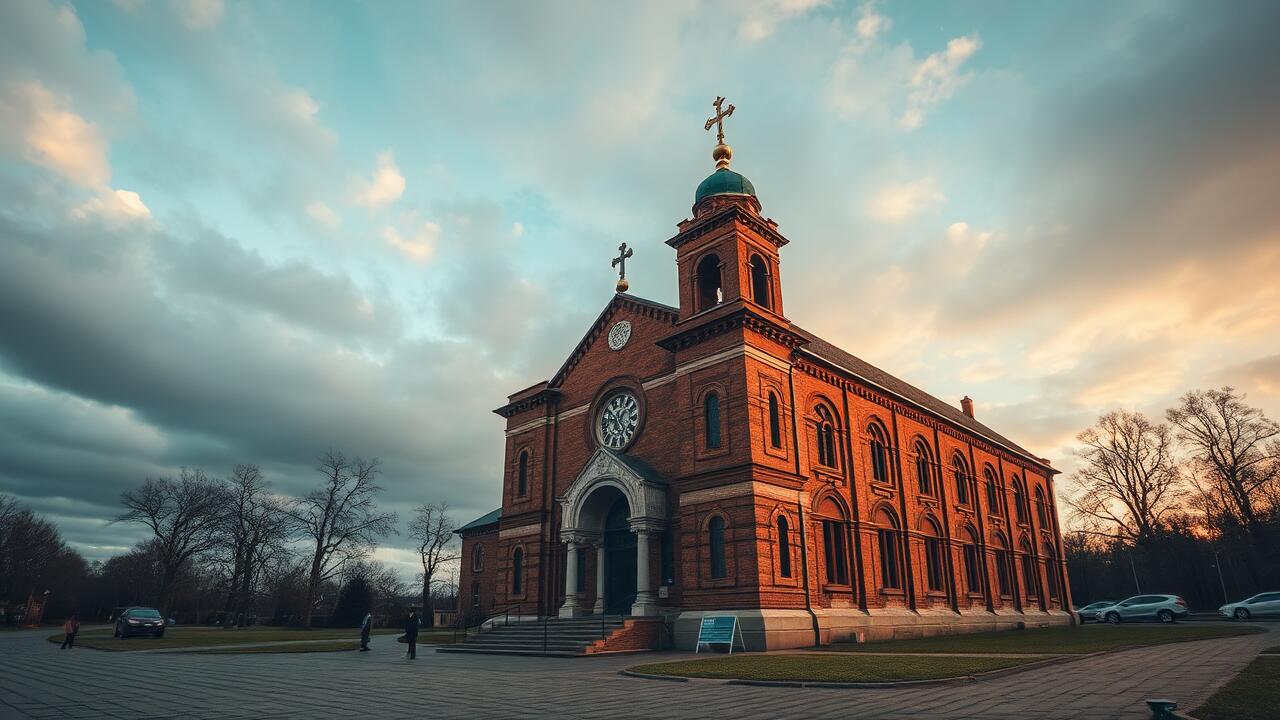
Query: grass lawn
x=1254 y=694
x=180 y=637
x=828 y=667
x=1055 y=640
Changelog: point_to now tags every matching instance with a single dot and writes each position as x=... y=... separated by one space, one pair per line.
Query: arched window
x=517 y=572
x=522 y=475
x=1029 y=579
x=826 y=437
x=924 y=474
x=993 y=490
x=710 y=293
x=972 y=561
x=784 y=546
x=711 y=418
x=834 y=542
x=1019 y=501
x=1042 y=509
x=775 y=421
x=933 y=560
x=879 y=454
x=477 y=559
x=759 y=281
x=715 y=529
x=962 y=479
x=1002 y=566
x=890 y=553
x=1051 y=570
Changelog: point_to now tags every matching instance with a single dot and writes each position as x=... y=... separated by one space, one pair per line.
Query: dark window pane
x=712 y=420
x=718 y=565
x=784 y=547
x=775 y=422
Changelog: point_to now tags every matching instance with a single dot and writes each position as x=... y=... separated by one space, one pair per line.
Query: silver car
x=1164 y=608
x=1260 y=605
x=1090 y=611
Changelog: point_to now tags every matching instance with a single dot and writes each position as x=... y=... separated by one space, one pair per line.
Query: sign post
x=720 y=630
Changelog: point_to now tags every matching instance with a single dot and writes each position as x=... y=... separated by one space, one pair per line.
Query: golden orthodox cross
x=718 y=120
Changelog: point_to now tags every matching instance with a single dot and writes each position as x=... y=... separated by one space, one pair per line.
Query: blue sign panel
x=719 y=629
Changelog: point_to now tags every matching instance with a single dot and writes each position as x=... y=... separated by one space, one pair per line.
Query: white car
x=1260 y=605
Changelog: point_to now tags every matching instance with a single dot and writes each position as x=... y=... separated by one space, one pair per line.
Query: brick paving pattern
x=37 y=680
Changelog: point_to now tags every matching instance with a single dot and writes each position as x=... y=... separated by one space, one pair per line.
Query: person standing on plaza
x=365 y=628
x=411 y=633
x=69 y=630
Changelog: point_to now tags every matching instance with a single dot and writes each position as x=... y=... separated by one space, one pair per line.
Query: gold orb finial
x=722 y=154
x=623 y=285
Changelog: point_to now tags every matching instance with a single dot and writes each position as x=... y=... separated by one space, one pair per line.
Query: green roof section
x=724 y=182
x=486 y=519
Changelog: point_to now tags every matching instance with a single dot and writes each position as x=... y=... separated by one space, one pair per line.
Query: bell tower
x=727 y=254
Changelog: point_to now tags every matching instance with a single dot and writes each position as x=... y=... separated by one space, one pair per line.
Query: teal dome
x=724 y=182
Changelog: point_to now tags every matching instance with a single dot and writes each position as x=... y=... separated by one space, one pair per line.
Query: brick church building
x=716 y=458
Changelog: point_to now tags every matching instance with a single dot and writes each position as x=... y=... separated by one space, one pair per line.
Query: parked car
x=1090 y=611
x=1164 y=608
x=1260 y=605
x=139 y=621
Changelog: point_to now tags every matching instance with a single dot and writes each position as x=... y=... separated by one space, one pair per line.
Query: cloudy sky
x=247 y=232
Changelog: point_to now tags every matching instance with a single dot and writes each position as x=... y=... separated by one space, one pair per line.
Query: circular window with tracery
x=618 y=421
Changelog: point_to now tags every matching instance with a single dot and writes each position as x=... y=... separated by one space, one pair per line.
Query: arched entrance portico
x=615 y=505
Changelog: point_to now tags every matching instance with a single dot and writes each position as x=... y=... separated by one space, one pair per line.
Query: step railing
x=492 y=621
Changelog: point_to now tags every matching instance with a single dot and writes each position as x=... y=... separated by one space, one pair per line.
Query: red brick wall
x=743 y=367
x=484 y=541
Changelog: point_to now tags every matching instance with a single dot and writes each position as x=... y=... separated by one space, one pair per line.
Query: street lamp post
x=1218 y=565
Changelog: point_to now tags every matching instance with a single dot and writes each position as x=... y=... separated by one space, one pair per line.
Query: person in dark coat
x=411 y=634
x=365 y=628
x=69 y=629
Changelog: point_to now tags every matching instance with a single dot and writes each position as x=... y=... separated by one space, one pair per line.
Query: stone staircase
x=564 y=637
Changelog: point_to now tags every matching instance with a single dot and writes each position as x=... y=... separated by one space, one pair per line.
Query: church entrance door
x=619 y=561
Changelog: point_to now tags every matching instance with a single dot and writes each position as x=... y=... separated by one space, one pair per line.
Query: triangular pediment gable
x=599 y=328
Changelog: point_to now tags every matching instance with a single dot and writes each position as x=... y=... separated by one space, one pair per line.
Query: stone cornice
x=543 y=397
x=698 y=227
x=745 y=318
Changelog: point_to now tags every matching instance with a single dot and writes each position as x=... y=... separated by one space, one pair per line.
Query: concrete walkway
x=38 y=680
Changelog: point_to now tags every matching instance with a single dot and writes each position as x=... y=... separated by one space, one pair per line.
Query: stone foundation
x=781 y=629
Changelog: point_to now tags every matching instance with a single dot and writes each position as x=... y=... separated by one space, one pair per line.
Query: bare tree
x=1235 y=453
x=184 y=515
x=339 y=518
x=255 y=532
x=1128 y=480
x=432 y=534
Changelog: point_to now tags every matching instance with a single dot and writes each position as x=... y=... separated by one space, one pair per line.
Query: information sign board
x=720 y=630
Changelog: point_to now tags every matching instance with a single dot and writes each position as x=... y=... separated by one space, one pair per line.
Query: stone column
x=646 y=603
x=599 y=606
x=570 y=607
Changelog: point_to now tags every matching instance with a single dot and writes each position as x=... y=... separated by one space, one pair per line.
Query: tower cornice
x=718 y=324
x=729 y=212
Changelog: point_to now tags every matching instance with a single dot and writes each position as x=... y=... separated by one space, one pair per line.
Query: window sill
x=974 y=595
x=896 y=592
x=836 y=588
x=936 y=594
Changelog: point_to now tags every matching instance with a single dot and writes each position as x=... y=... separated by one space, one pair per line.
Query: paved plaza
x=38 y=680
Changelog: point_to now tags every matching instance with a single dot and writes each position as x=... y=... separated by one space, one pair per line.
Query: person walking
x=69 y=630
x=411 y=634
x=365 y=628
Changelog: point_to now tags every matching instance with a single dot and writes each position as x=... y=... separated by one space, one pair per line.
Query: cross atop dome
x=723 y=181
x=722 y=153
